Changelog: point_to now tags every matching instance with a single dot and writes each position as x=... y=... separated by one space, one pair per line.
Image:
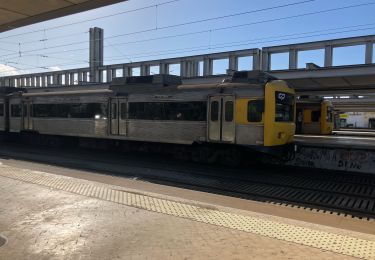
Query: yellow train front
x=314 y=116
x=264 y=112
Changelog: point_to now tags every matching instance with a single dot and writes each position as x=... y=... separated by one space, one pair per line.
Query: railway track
x=343 y=193
x=350 y=199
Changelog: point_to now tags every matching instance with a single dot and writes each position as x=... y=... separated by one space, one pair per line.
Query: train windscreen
x=284 y=109
x=329 y=114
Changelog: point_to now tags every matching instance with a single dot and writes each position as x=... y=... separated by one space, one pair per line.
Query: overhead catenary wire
x=276 y=38
x=54 y=38
x=44 y=39
x=165 y=27
x=205 y=31
x=90 y=20
x=239 y=14
x=213 y=29
x=235 y=26
x=38 y=67
x=210 y=19
x=229 y=44
x=248 y=24
x=156 y=25
x=208 y=30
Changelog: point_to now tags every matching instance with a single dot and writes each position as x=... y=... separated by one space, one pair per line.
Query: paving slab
x=49 y=216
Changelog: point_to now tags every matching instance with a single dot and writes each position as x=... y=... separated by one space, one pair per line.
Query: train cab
x=314 y=116
x=264 y=112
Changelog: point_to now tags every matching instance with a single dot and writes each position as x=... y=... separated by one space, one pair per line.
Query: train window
x=146 y=111
x=284 y=107
x=184 y=111
x=46 y=110
x=214 y=111
x=84 y=110
x=229 y=111
x=24 y=110
x=329 y=114
x=15 y=110
x=1 y=109
x=137 y=110
x=123 y=110
x=315 y=116
x=255 y=109
x=114 y=111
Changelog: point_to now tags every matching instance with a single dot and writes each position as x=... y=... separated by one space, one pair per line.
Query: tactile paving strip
x=342 y=244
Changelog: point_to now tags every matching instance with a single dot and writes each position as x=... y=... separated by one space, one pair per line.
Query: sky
x=141 y=30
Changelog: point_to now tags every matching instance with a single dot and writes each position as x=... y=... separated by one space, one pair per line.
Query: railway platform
x=50 y=212
x=341 y=141
x=351 y=152
x=355 y=132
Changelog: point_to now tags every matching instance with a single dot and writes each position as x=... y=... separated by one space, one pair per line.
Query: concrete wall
x=335 y=159
x=359 y=119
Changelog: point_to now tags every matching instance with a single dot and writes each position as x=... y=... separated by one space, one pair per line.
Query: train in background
x=314 y=116
x=207 y=121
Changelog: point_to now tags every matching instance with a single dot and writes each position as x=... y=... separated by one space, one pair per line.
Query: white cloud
x=55 y=68
x=6 y=70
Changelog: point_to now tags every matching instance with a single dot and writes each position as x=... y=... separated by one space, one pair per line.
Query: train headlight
x=281 y=135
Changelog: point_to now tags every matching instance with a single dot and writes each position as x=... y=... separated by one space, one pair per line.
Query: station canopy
x=17 y=13
x=346 y=80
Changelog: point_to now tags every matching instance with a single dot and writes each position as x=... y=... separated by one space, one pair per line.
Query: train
x=314 y=116
x=251 y=110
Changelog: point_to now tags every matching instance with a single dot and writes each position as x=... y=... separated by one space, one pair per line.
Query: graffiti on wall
x=335 y=159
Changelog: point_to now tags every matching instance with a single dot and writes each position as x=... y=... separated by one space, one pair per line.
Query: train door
x=27 y=115
x=221 y=125
x=118 y=117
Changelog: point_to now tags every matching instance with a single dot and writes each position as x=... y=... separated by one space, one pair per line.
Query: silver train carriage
x=246 y=110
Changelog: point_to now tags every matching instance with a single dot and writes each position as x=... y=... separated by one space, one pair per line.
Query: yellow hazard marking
x=337 y=243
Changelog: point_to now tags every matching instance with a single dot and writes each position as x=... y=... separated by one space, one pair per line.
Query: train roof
x=313 y=102
x=252 y=77
x=80 y=87
x=241 y=81
x=70 y=92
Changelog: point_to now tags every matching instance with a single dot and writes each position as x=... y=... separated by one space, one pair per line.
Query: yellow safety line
x=342 y=244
